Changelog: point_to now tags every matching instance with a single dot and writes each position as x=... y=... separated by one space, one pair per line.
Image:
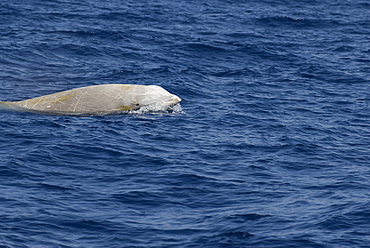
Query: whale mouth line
x=172 y=102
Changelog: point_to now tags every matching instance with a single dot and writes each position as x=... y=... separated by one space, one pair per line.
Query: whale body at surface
x=98 y=100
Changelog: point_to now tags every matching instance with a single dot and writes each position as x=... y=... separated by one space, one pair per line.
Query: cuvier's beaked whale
x=98 y=100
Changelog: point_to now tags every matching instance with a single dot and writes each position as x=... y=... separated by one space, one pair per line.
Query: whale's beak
x=175 y=100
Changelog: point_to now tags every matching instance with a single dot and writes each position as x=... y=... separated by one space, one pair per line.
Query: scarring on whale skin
x=98 y=100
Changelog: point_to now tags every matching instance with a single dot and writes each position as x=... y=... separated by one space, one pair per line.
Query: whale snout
x=177 y=99
x=174 y=100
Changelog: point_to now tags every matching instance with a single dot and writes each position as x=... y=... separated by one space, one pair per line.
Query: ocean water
x=271 y=148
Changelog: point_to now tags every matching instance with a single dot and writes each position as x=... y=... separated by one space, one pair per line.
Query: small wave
x=200 y=48
x=292 y=22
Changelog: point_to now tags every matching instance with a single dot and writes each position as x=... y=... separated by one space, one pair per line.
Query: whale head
x=155 y=98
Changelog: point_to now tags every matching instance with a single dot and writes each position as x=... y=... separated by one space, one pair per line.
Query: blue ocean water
x=271 y=149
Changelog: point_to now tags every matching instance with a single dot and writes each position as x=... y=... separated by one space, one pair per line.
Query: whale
x=98 y=100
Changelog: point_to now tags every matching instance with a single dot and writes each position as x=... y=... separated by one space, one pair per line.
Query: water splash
x=158 y=108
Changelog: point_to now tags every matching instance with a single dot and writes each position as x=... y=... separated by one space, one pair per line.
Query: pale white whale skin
x=98 y=100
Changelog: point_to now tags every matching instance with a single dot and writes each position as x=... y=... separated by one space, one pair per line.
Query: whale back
x=92 y=99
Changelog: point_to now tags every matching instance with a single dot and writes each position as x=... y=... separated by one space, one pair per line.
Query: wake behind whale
x=98 y=100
